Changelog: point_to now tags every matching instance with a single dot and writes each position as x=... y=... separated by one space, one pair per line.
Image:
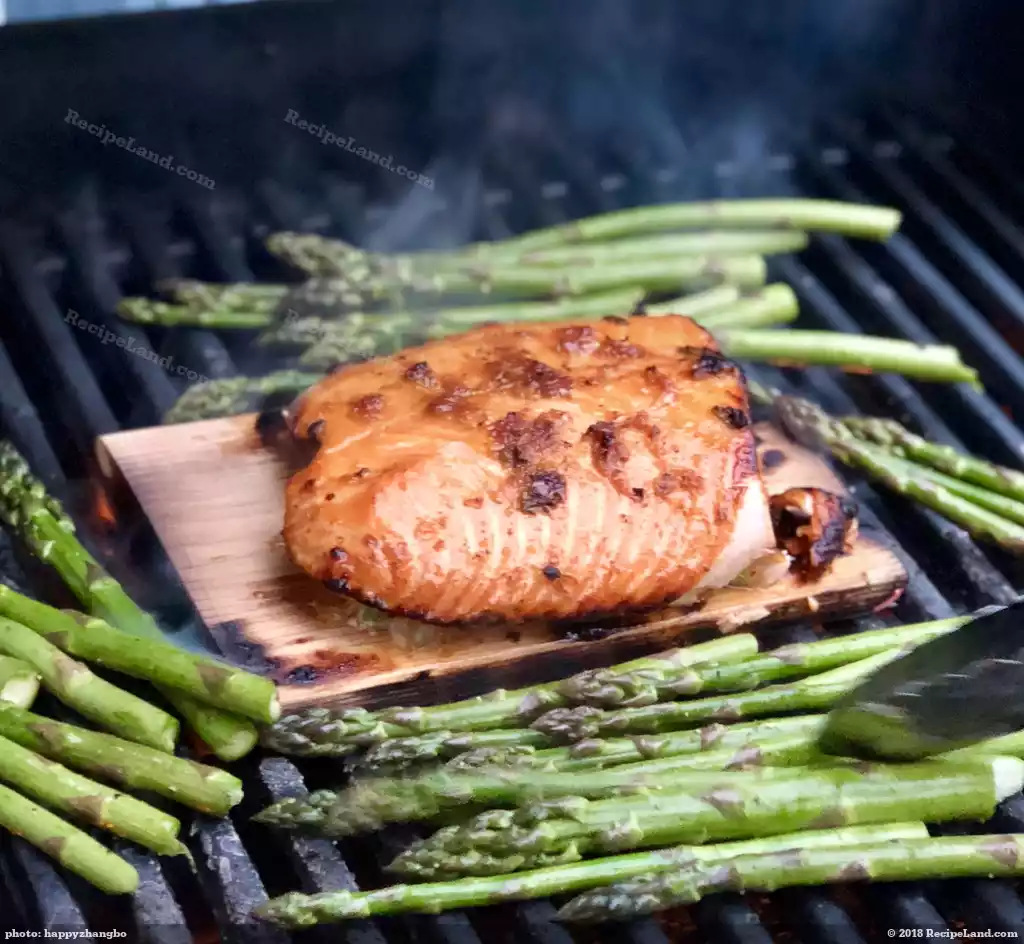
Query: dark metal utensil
x=948 y=693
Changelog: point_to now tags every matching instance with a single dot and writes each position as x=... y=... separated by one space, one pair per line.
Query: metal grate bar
x=95 y=283
x=981 y=343
x=817 y=918
x=158 y=919
x=986 y=214
x=230 y=883
x=981 y=280
x=150 y=237
x=317 y=862
x=19 y=417
x=729 y=918
x=86 y=413
x=976 y=415
x=47 y=903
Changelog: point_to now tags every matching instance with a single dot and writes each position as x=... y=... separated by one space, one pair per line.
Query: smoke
x=666 y=101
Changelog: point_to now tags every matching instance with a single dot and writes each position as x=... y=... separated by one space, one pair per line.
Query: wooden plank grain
x=215 y=496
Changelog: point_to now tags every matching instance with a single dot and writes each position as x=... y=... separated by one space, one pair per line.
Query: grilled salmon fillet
x=544 y=471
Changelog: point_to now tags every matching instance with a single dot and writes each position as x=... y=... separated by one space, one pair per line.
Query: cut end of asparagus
x=21 y=691
x=237 y=743
x=1008 y=776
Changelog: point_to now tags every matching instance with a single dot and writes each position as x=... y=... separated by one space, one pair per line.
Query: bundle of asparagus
x=879 y=859
x=470 y=864
x=662 y=783
x=358 y=304
x=301 y=911
x=216 y=700
x=44 y=761
x=502 y=719
x=985 y=499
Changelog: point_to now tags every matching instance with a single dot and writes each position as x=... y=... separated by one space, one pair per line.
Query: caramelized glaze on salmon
x=518 y=472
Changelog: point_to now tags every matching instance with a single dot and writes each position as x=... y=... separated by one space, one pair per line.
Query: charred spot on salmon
x=611 y=347
x=368 y=407
x=656 y=376
x=521 y=441
x=337 y=554
x=676 y=481
x=578 y=339
x=708 y=363
x=732 y=416
x=609 y=453
x=421 y=375
x=361 y=473
x=542 y=491
x=449 y=402
x=314 y=430
x=772 y=458
x=551 y=572
x=336 y=584
x=616 y=319
x=526 y=375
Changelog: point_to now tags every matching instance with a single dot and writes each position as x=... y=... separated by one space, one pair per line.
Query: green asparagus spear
x=207 y=789
x=773 y=305
x=400 y=284
x=967 y=468
x=402 y=752
x=875 y=860
x=369 y=804
x=88 y=801
x=93 y=640
x=700 y=303
x=753 y=242
x=822 y=798
x=19 y=682
x=167 y=315
x=321 y=732
x=216 y=398
x=810 y=694
x=1005 y=507
x=610 y=689
x=319 y=256
x=378 y=332
x=39 y=519
x=854 y=352
x=296 y=910
x=73 y=849
x=597 y=753
x=848 y=219
x=95 y=698
x=337 y=342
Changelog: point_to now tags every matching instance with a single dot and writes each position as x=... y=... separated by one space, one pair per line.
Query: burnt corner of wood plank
x=232 y=642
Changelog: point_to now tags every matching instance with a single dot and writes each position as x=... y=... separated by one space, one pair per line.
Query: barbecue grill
x=520 y=116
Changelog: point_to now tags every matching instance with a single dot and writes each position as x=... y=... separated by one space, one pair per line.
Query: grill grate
x=948 y=275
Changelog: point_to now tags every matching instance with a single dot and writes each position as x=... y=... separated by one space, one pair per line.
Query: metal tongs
x=954 y=691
